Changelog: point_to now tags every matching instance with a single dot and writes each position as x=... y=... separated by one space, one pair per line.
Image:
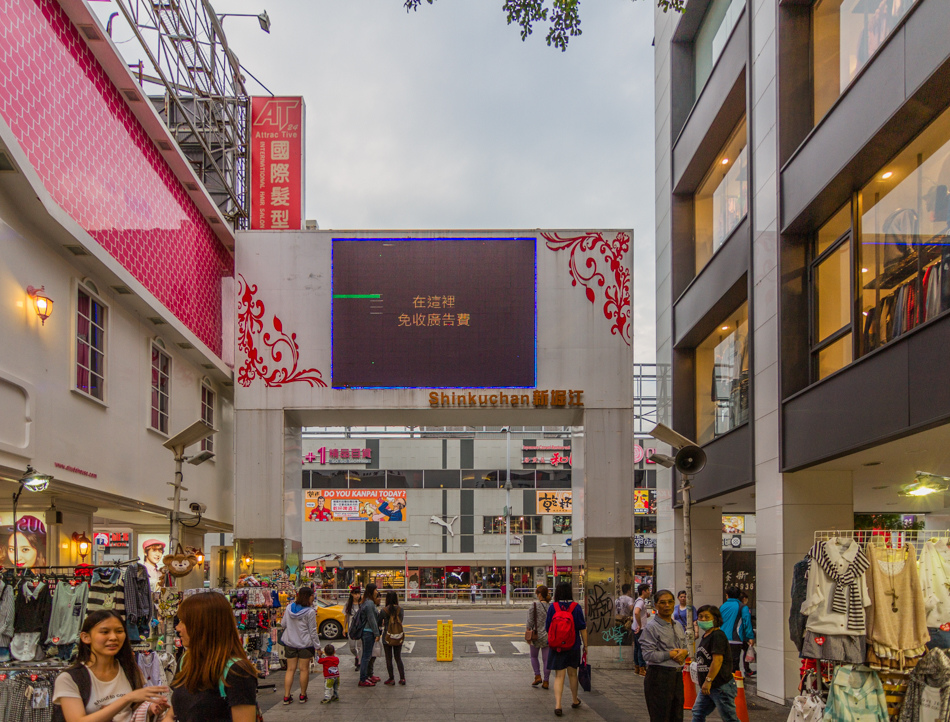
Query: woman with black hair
x=301 y=641
x=714 y=666
x=350 y=609
x=568 y=659
x=370 y=635
x=105 y=684
x=392 y=646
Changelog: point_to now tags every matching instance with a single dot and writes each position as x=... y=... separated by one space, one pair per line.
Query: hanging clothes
x=796 y=620
x=837 y=591
x=856 y=695
x=137 y=590
x=934 y=572
x=928 y=689
x=6 y=613
x=897 y=624
x=67 y=614
x=150 y=665
x=107 y=591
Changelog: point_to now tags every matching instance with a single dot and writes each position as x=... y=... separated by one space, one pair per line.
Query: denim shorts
x=299 y=652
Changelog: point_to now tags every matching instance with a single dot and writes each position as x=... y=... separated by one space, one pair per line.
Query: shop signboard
x=326 y=455
x=641 y=502
x=734 y=524
x=738 y=570
x=355 y=505
x=276 y=163
x=555 y=502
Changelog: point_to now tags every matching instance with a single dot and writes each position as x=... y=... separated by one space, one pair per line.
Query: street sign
x=567 y=541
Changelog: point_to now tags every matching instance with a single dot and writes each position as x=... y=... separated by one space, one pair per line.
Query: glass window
x=845 y=34
x=370 y=479
x=207 y=415
x=554 y=479
x=442 y=479
x=904 y=237
x=480 y=479
x=832 y=295
x=404 y=479
x=722 y=377
x=90 y=346
x=722 y=199
x=161 y=391
x=834 y=229
x=835 y=356
x=328 y=480
x=720 y=18
x=519 y=525
x=644 y=524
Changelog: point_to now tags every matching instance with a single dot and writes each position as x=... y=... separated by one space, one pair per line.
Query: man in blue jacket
x=737 y=624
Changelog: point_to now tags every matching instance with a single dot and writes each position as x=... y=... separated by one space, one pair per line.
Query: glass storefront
x=845 y=34
x=722 y=199
x=722 y=377
x=904 y=256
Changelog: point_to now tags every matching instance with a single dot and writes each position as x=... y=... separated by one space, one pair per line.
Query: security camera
x=198 y=507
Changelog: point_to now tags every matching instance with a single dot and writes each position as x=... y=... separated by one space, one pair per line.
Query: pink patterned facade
x=101 y=167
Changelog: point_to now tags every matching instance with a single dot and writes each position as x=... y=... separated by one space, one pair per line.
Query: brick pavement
x=482 y=689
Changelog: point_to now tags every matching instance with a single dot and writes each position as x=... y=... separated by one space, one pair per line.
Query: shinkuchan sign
x=277 y=151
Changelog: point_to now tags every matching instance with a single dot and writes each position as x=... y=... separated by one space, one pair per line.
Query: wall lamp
x=42 y=304
x=83 y=543
x=262 y=18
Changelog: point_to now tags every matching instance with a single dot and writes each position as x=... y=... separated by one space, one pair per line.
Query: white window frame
x=207 y=444
x=94 y=297
x=153 y=347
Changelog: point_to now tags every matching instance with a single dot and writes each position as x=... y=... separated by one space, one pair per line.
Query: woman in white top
x=114 y=681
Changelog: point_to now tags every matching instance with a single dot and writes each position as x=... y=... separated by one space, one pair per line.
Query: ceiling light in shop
x=925 y=484
x=887 y=175
x=725 y=161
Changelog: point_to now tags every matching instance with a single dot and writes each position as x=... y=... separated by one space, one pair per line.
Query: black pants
x=738 y=656
x=663 y=689
x=397 y=653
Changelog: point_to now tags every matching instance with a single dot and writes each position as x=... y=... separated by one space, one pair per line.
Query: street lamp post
x=33 y=481
x=407 y=547
x=554 y=560
x=507 y=430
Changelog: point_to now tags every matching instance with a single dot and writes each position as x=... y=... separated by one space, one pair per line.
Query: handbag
x=583 y=674
x=377 y=649
x=530 y=635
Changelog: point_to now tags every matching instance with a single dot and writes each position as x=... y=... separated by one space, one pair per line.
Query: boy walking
x=331 y=674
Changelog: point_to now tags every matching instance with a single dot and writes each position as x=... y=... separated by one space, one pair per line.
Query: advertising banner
x=355 y=505
x=733 y=524
x=641 y=501
x=276 y=163
x=555 y=502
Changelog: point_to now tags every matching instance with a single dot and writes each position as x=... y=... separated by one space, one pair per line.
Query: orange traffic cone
x=689 y=689
x=742 y=711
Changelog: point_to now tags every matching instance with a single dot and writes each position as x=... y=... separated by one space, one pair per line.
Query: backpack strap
x=571 y=608
x=224 y=676
x=80 y=675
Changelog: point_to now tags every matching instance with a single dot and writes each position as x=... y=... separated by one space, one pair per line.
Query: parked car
x=331 y=622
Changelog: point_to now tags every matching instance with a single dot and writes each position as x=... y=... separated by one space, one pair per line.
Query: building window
x=644 y=524
x=722 y=199
x=722 y=377
x=519 y=525
x=207 y=415
x=904 y=236
x=161 y=390
x=832 y=295
x=845 y=35
x=90 y=345
x=563 y=525
x=718 y=22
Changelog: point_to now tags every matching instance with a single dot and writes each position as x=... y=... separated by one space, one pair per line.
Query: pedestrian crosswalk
x=407 y=647
x=520 y=647
x=484 y=648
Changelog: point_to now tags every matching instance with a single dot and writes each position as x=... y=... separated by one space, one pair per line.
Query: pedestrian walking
x=663 y=643
x=536 y=636
x=105 y=680
x=370 y=635
x=623 y=613
x=682 y=613
x=350 y=609
x=301 y=641
x=216 y=680
x=749 y=642
x=473 y=590
x=391 y=619
x=714 y=667
x=737 y=625
x=640 y=615
x=567 y=636
x=331 y=675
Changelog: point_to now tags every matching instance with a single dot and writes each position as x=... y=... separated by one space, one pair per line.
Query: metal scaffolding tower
x=204 y=101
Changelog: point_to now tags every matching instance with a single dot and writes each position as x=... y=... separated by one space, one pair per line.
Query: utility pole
x=688 y=563
x=507 y=431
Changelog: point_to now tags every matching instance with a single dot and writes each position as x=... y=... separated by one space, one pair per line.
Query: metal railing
x=460 y=596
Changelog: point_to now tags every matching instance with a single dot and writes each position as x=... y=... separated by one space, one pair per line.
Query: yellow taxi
x=330 y=619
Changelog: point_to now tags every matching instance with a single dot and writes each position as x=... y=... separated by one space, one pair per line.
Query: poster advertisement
x=28 y=546
x=733 y=524
x=641 y=501
x=355 y=505
x=276 y=163
x=555 y=502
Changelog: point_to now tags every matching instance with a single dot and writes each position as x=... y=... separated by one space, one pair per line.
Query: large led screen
x=436 y=313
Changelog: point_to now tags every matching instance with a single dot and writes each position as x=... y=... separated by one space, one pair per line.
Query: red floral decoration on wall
x=614 y=253
x=257 y=362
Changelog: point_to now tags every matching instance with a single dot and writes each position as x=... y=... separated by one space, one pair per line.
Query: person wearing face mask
x=663 y=642
x=714 y=666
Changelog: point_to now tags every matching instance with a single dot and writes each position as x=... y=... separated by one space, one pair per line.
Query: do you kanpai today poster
x=355 y=505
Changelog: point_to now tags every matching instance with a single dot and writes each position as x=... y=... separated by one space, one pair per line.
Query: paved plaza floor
x=480 y=689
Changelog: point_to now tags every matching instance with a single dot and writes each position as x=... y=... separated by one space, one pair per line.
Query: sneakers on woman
x=390 y=682
x=288 y=700
x=374 y=678
x=402 y=682
x=366 y=683
x=303 y=698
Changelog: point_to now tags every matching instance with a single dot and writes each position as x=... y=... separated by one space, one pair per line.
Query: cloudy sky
x=444 y=118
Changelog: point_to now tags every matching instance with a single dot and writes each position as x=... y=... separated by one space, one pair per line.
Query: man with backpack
x=737 y=624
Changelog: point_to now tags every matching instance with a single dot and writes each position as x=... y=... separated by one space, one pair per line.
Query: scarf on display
x=932 y=671
x=847 y=598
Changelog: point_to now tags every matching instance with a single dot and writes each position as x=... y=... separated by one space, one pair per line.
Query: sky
x=444 y=119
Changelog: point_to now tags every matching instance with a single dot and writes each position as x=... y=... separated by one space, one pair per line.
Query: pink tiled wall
x=99 y=165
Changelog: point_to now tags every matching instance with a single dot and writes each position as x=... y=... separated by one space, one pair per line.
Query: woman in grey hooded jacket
x=301 y=641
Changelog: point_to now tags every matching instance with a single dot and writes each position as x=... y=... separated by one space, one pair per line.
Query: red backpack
x=561 y=634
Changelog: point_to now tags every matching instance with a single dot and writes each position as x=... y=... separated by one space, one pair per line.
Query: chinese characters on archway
x=434 y=311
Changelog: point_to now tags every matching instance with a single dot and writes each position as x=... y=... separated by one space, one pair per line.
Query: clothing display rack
x=894 y=538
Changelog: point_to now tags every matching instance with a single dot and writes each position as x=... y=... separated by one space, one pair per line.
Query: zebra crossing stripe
x=484 y=648
x=521 y=647
x=407 y=647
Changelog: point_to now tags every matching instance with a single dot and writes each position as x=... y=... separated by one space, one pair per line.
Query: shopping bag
x=750 y=654
x=377 y=649
x=583 y=674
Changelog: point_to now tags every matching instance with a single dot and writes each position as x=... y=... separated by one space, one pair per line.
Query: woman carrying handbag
x=537 y=637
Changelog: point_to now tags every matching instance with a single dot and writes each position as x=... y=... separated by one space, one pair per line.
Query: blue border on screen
x=449 y=238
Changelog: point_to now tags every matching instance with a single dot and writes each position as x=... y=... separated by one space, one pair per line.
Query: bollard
x=742 y=711
x=689 y=689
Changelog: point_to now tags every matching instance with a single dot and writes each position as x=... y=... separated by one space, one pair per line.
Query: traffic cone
x=689 y=689
x=742 y=711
